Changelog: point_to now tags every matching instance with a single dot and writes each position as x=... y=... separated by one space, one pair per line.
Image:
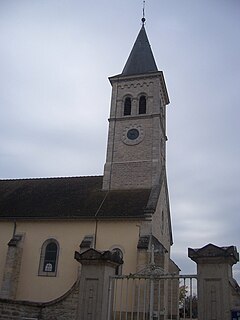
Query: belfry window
x=142 y=105
x=127 y=106
x=49 y=258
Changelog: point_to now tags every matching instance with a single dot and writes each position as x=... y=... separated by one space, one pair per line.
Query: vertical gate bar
x=151 y=297
x=138 y=299
x=120 y=318
x=178 y=296
x=133 y=297
x=159 y=297
x=110 y=300
x=141 y=298
x=126 y=317
x=115 y=299
x=148 y=305
x=190 y=298
x=171 y=302
x=184 y=301
x=144 y=299
x=196 y=301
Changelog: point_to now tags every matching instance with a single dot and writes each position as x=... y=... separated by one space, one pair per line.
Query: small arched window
x=49 y=258
x=118 y=270
x=127 y=106
x=142 y=105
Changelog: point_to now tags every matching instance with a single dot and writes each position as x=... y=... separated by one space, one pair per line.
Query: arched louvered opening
x=127 y=106
x=142 y=105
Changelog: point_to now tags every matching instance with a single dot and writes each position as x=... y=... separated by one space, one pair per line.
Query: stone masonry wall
x=136 y=163
x=16 y=310
x=62 y=308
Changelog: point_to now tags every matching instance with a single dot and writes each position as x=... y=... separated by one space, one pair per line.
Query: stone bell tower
x=137 y=125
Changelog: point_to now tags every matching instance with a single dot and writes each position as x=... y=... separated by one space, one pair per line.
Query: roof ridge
x=49 y=178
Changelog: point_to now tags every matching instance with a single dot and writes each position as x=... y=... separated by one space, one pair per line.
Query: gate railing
x=152 y=297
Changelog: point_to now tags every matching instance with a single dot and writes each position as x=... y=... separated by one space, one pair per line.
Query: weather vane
x=143 y=17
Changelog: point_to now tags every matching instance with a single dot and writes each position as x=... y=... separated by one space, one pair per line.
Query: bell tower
x=137 y=125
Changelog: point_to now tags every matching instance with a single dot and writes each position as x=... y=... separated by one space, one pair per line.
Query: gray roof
x=141 y=58
x=71 y=197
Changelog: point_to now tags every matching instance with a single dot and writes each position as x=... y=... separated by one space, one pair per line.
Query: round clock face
x=133 y=134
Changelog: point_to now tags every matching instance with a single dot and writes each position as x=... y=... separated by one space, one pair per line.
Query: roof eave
x=123 y=217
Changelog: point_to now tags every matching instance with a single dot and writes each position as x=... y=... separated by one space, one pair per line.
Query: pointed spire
x=141 y=59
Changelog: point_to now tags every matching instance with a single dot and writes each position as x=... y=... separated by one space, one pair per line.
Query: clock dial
x=133 y=134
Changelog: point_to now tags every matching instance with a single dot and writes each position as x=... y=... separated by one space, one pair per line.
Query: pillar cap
x=211 y=252
x=92 y=256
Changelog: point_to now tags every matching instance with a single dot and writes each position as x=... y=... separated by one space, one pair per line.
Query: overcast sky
x=55 y=60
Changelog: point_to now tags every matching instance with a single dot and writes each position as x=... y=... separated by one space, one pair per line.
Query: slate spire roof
x=141 y=59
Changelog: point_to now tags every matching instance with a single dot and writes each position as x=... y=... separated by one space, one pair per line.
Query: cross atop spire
x=143 y=17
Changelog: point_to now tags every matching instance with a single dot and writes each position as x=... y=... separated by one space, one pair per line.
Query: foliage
x=187 y=303
x=182 y=294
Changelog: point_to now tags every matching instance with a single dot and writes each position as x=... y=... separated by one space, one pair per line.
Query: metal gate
x=152 y=297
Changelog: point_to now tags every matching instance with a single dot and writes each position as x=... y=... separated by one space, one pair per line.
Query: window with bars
x=49 y=258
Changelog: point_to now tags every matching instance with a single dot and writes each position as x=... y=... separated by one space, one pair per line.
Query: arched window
x=49 y=258
x=142 y=105
x=118 y=270
x=127 y=106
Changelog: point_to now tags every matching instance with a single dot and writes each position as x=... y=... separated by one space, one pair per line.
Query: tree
x=187 y=303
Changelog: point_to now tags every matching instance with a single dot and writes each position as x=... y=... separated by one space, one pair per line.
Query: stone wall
x=136 y=163
x=16 y=310
x=86 y=300
x=62 y=308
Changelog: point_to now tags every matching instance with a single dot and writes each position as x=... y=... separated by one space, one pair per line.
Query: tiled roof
x=73 y=197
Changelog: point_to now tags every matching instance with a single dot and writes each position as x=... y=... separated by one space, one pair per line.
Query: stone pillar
x=214 y=270
x=97 y=267
x=12 y=267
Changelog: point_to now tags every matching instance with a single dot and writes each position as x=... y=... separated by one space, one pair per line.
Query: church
x=43 y=221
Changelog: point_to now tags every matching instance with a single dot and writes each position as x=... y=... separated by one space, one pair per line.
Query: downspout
x=14 y=227
x=96 y=220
